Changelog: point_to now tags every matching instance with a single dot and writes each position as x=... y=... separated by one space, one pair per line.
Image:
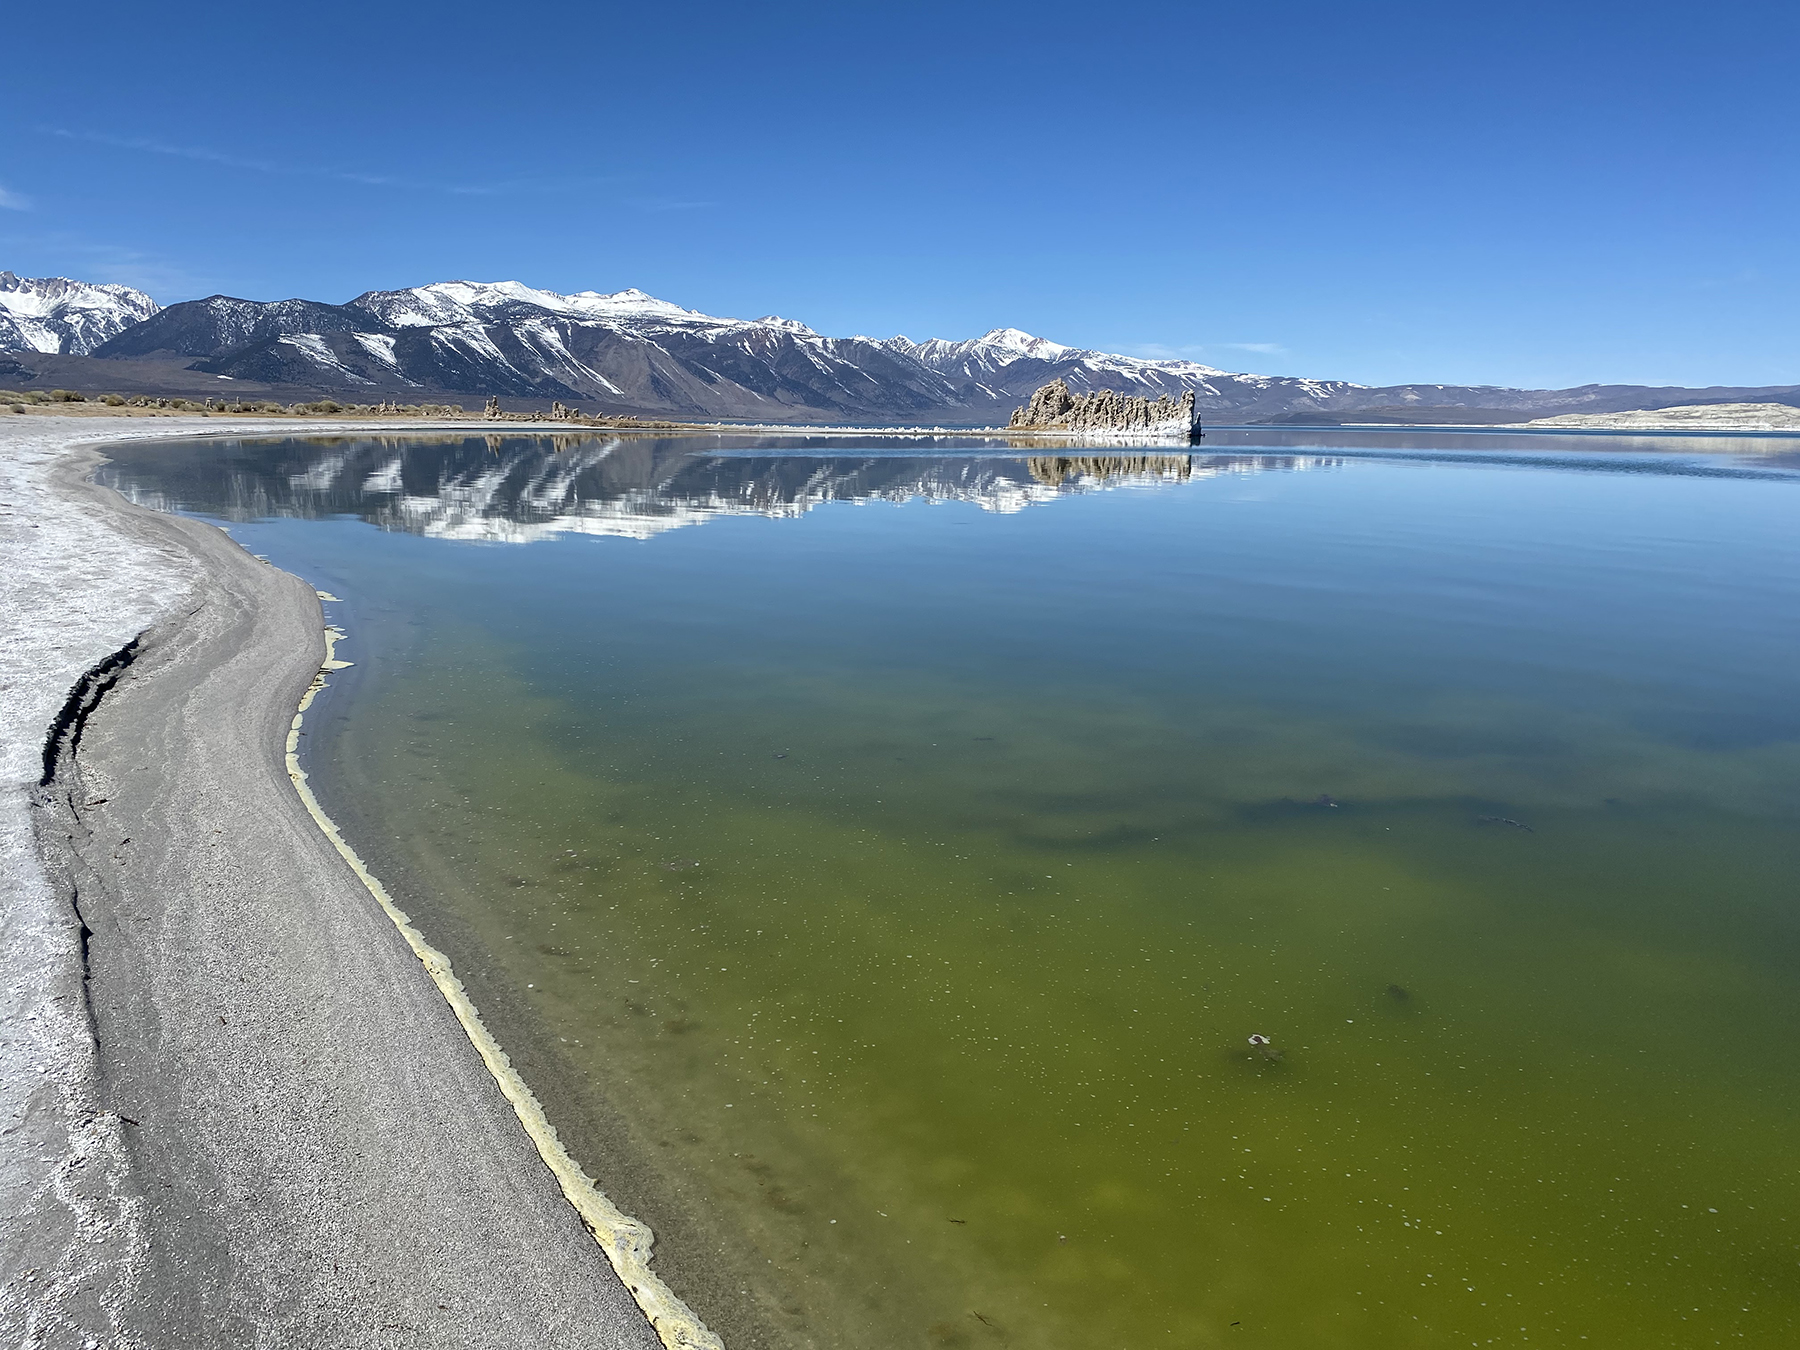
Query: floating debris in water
x=1399 y=993
x=680 y=863
x=1504 y=820
x=1326 y=799
x=1265 y=1047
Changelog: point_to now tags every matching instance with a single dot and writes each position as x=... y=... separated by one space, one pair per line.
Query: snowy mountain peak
x=461 y=303
x=786 y=325
x=55 y=314
x=458 y=302
x=1015 y=340
x=630 y=298
x=628 y=303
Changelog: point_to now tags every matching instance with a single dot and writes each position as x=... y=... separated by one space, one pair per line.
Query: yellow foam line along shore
x=626 y=1241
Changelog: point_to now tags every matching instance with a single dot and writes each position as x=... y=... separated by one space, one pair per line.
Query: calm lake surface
x=879 y=854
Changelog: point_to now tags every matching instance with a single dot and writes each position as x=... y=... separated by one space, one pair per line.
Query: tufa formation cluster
x=559 y=412
x=1107 y=412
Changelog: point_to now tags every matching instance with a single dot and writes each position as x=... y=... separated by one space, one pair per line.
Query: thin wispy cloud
x=541 y=184
x=128 y=266
x=149 y=145
x=155 y=147
x=1197 y=351
x=14 y=201
x=532 y=186
x=147 y=272
x=666 y=204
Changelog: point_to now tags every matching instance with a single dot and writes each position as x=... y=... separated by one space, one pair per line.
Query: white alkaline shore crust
x=237 y=1108
x=1688 y=417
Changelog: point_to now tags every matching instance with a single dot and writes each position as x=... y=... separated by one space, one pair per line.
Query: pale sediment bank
x=1749 y=417
x=237 y=1108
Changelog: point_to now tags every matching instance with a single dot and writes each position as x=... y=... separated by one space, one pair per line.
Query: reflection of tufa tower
x=1106 y=412
x=1055 y=470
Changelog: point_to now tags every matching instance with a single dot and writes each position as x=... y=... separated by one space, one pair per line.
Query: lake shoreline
x=266 y=1121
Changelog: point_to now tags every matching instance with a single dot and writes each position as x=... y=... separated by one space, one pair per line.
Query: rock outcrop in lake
x=1107 y=414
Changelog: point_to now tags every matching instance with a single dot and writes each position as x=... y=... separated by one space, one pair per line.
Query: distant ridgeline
x=1107 y=413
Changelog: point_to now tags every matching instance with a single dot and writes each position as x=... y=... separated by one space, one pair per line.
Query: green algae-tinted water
x=879 y=860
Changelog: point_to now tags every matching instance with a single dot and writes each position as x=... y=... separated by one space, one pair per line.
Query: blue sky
x=1529 y=194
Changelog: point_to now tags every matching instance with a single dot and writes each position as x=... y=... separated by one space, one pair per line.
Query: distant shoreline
x=1655 y=422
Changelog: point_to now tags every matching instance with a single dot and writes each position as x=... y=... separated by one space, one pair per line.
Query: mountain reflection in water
x=515 y=489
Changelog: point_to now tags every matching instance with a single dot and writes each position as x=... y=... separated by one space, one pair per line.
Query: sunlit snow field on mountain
x=879 y=854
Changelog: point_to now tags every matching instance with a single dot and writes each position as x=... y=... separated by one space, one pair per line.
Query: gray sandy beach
x=235 y=1108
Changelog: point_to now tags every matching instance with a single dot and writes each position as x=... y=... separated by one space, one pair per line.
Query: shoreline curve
x=627 y=1242
x=236 y=1113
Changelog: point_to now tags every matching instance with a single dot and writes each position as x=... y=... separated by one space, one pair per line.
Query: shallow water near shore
x=884 y=851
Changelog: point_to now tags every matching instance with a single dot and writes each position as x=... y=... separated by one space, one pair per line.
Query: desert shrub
x=10 y=396
x=113 y=400
x=18 y=407
x=67 y=396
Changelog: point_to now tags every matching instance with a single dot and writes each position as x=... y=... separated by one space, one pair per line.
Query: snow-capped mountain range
x=633 y=351
x=55 y=314
x=628 y=352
